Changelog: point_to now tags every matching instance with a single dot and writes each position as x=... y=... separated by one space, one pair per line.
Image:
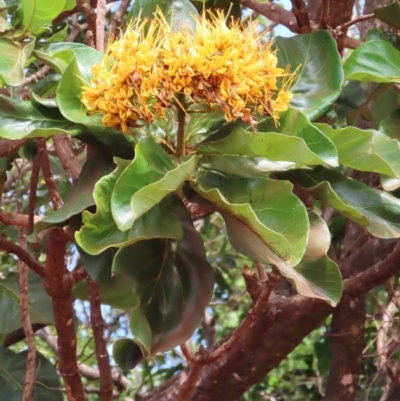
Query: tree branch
x=22 y=254
x=8 y=146
x=97 y=323
x=299 y=10
x=116 y=19
x=48 y=175
x=100 y=24
x=120 y=381
x=273 y=12
x=347 y=346
x=58 y=285
x=26 y=323
x=70 y=163
x=16 y=219
x=32 y=190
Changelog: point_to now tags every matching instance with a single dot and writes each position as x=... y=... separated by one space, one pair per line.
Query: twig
x=39 y=74
x=273 y=12
x=97 y=323
x=26 y=322
x=100 y=24
x=15 y=176
x=48 y=175
x=343 y=27
x=253 y=286
x=32 y=190
x=299 y=10
x=70 y=163
x=58 y=285
x=262 y=275
x=78 y=274
x=378 y=273
x=116 y=19
x=15 y=219
x=8 y=146
x=76 y=30
x=180 y=144
x=120 y=381
x=22 y=254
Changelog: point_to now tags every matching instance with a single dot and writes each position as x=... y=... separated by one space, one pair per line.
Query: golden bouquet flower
x=225 y=66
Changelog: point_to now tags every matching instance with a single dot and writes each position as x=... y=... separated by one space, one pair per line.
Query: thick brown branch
x=7 y=146
x=22 y=254
x=299 y=10
x=347 y=347
x=48 y=175
x=375 y=275
x=100 y=24
x=274 y=13
x=97 y=323
x=70 y=163
x=26 y=322
x=58 y=285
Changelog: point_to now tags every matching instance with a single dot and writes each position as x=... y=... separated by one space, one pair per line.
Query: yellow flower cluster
x=227 y=67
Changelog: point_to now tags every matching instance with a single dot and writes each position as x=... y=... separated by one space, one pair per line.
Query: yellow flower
x=225 y=66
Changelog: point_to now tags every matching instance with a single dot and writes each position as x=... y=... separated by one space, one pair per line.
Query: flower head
x=227 y=67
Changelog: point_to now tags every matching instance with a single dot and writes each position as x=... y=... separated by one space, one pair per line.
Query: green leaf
x=365 y=150
x=36 y=13
x=320 y=75
x=126 y=353
x=178 y=13
x=203 y=124
x=12 y=377
x=13 y=58
x=389 y=14
x=295 y=140
x=40 y=308
x=265 y=221
x=320 y=273
x=244 y=166
x=374 y=61
x=81 y=195
x=99 y=231
x=23 y=119
x=5 y=25
x=146 y=181
x=173 y=282
x=391 y=126
x=375 y=210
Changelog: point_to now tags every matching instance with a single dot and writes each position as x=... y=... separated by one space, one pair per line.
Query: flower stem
x=180 y=143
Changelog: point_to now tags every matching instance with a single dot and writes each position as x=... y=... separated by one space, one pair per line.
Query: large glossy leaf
x=320 y=75
x=296 y=124
x=245 y=166
x=24 y=119
x=295 y=140
x=389 y=14
x=13 y=58
x=80 y=197
x=178 y=13
x=267 y=211
x=36 y=13
x=40 y=308
x=173 y=282
x=320 y=273
x=99 y=231
x=365 y=150
x=146 y=181
x=375 y=210
x=374 y=61
x=12 y=377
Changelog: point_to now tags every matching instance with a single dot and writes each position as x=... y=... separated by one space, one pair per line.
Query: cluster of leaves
x=132 y=230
